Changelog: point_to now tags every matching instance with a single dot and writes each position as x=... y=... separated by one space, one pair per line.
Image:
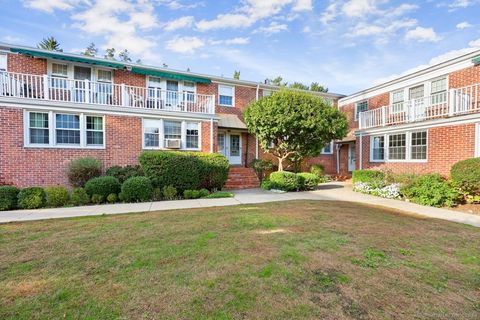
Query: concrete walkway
x=335 y=191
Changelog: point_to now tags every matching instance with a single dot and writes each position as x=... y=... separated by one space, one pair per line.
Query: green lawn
x=285 y=260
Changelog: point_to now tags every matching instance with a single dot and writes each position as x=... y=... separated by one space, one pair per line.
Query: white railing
x=444 y=104
x=43 y=87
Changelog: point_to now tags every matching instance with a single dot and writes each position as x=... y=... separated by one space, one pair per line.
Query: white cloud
x=307 y=29
x=421 y=34
x=329 y=14
x=359 y=8
x=475 y=44
x=232 y=41
x=180 y=23
x=185 y=45
x=176 y=5
x=303 y=5
x=274 y=27
x=224 y=21
x=402 y=9
x=52 y=5
x=462 y=4
x=463 y=25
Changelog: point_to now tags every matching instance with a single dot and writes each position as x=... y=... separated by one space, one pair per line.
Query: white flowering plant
x=391 y=191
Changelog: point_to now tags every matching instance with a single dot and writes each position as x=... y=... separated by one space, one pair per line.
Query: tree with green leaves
x=315 y=86
x=50 y=43
x=91 y=50
x=299 y=85
x=298 y=124
x=110 y=54
x=125 y=56
x=278 y=81
x=236 y=75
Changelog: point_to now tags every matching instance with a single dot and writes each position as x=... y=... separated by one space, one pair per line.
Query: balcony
x=459 y=101
x=48 y=88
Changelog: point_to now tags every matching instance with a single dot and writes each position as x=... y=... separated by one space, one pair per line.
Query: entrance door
x=80 y=74
x=230 y=145
x=351 y=157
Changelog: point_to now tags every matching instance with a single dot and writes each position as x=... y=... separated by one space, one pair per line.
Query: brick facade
x=23 y=64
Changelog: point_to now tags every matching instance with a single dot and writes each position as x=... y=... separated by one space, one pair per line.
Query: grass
x=220 y=194
x=286 y=260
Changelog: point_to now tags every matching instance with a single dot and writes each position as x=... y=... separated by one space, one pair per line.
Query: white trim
x=4 y=57
x=183 y=133
x=371 y=148
x=408 y=148
x=233 y=95
x=322 y=152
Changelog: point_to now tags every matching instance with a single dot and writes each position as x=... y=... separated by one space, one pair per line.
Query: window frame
x=233 y=95
x=322 y=152
x=55 y=134
x=4 y=60
x=356 y=115
x=408 y=147
x=159 y=123
x=372 y=153
x=393 y=102
x=52 y=128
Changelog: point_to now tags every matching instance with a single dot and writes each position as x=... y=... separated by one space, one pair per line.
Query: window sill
x=47 y=146
x=226 y=105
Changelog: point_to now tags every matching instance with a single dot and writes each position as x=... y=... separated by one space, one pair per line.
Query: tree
x=50 y=43
x=299 y=85
x=278 y=81
x=125 y=56
x=110 y=54
x=298 y=124
x=315 y=86
x=91 y=50
x=236 y=75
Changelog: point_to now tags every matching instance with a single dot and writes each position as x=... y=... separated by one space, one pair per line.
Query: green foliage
x=286 y=181
x=157 y=194
x=203 y=193
x=298 y=123
x=112 y=198
x=8 y=197
x=317 y=169
x=123 y=173
x=431 y=190
x=83 y=169
x=169 y=193
x=465 y=176
x=220 y=194
x=32 y=198
x=267 y=184
x=260 y=166
x=102 y=186
x=309 y=181
x=375 y=178
x=137 y=189
x=50 y=44
x=79 y=197
x=185 y=170
x=372 y=258
x=57 y=196
x=97 y=198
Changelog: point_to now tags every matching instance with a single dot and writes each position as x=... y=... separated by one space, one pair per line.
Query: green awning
x=59 y=56
x=476 y=60
x=168 y=75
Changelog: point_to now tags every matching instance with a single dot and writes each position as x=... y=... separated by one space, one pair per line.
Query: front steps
x=242 y=178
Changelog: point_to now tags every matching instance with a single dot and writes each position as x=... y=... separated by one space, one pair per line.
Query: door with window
x=416 y=95
x=230 y=145
x=80 y=74
x=351 y=157
x=172 y=94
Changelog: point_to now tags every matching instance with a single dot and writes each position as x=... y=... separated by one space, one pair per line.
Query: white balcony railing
x=445 y=104
x=43 y=87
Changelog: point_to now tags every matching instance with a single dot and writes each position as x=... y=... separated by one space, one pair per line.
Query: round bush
x=169 y=193
x=466 y=176
x=431 y=190
x=284 y=180
x=309 y=180
x=79 y=197
x=97 y=198
x=112 y=198
x=204 y=192
x=188 y=194
x=83 y=169
x=8 y=197
x=57 y=196
x=137 y=189
x=317 y=169
x=102 y=186
x=32 y=198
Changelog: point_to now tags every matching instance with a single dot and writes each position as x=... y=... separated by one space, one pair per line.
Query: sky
x=345 y=45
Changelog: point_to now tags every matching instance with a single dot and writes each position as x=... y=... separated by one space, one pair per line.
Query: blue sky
x=346 y=45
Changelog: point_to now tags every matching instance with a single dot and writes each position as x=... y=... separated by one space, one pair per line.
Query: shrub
x=123 y=173
x=8 y=197
x=185 y=170
x=267 y=184
x=286 y=181
x=57 y=196
x=318 y=170
x=465 y=176
x=374 y=178
x=137 y=189
x=102 y=186
x=260 y=166
x=157 y=194
x=32 y=198
x=203 y=193
x=390 y=192
x=79 y=197
x=83 y=169
x=188 y=194
x=309 y=180
x=112 y=198
x=431 y=190
x=97 y=198
x=220 y=194
x=169 y=193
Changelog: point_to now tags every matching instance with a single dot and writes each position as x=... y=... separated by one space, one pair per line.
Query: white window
x=155 y=132
x=417 y=92
x=267 y=93
x=189 y=91
x=104 y=76
x=64 y=130
x=377 y=144
x=397 y=146
x=59 y=70
x=172 y=129
x=398 y=101
x=226 y=96
x=439 y=91
x=328 y=149
x=360 y=107
x=192 y=135
x=418 y=145
x=152 y=130
x=3 y=62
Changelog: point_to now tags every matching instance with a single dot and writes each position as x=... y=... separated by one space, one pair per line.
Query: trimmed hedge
x=57 y=196
x=102 y=186
x=32 y=198
x=309 y=181
x=123 y=173
x=83 y=169
x=137 y=189
x=286 y=181
x=8 y=197
x=431 y=190
x=466 y=176
x=374 y=178
x=185 y=170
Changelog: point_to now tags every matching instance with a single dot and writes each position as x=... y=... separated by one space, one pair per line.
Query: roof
x=131 y=66
x=231 y=121
x=349 y=137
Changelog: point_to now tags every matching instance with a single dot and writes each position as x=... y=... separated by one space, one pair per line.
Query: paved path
x=330 y=191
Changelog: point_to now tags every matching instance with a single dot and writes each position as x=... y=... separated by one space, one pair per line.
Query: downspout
x=211 y=135
x=256 y=139
x=360 y=156
x=338 y=146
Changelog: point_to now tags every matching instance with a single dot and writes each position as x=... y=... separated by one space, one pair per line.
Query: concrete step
x=242 y=178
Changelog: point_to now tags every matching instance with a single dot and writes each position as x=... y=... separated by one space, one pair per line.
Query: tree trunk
x=280 y=164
